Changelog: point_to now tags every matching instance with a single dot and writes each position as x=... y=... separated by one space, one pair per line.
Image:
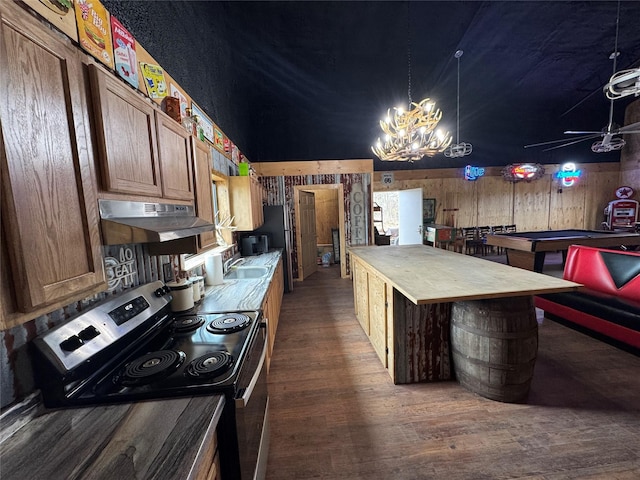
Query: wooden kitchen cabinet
x=51 y=245
x=174 y=152
x=246 y=195
x=210 y=467
x=372 y=299
x=126 y=137
x=271 y=307
x=141 y=150
x=361 y=294
x=203 y=191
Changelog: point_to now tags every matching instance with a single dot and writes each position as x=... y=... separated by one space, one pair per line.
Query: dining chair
x=471 y=240
x=482 y=237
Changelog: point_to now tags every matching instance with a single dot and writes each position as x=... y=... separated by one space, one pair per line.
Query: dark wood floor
x=335 y=414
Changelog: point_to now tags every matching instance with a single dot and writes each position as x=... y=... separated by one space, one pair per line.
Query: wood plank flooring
x=335 y=414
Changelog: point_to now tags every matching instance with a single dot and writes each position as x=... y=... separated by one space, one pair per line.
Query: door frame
x=311 y=188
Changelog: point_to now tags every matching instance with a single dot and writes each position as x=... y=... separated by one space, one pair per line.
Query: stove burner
x=210 y=365
x=151 y=367
x=187 y=324
x=229 y=322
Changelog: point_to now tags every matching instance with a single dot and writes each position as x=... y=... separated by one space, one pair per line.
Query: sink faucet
x=232 y=263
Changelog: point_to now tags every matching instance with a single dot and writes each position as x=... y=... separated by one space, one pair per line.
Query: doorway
x=306 y=248
x=401 y=212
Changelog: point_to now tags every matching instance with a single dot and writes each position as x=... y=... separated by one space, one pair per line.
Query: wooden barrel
x=494 y=345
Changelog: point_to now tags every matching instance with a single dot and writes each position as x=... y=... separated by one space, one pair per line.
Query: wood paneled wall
x=326 y=214
x=630 y=155
x=539 y=205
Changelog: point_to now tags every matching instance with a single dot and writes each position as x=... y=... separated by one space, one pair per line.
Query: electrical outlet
x=167 y=272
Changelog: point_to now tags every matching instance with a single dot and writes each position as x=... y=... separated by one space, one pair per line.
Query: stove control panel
x=129 y=310
x=74 y=342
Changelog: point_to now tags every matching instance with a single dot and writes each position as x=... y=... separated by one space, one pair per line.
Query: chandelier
x=458 y=149
x=411 y=135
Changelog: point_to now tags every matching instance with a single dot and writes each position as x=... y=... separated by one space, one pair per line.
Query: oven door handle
x=246 y=396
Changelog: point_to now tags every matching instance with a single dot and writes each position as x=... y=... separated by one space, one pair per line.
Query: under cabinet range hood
x=144 y=222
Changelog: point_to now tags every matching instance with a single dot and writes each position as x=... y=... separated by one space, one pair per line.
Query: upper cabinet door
x=126 y=136
x=204 y=192
x=175 y=158
x=246 y=195
x=49 y=207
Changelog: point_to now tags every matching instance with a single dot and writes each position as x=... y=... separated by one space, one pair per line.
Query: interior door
x=410 y=217
x=308 y=241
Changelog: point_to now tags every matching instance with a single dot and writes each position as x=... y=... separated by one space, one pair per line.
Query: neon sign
x=473 y=173
x=569 y=174
x=523 y=171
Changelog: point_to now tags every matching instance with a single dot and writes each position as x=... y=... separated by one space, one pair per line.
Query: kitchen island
x=421 y=305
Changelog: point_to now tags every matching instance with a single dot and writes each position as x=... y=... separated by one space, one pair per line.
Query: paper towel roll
x=213 y=267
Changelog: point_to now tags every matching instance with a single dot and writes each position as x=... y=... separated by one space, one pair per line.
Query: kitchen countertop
x=244 y=294
x=163 y=439
x=426 y=274
x=159 y=439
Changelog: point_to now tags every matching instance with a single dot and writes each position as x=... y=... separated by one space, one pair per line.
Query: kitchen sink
x=247 y=272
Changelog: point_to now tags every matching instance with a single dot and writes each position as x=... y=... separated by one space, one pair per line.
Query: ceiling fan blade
x=541 y=144
x=580 y=132
x=631 y=128
x=590 y=137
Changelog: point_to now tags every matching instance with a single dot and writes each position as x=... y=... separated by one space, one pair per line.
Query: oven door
x=252 y=411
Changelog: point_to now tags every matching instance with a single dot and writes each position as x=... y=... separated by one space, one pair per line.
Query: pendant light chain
x=410 y=133
x=458 y=149
x=458 y=54
x=409 y=54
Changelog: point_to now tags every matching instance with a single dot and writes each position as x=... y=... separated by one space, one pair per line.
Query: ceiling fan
x=609 y=141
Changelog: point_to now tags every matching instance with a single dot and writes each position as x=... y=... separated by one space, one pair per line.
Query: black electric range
x=132 y=347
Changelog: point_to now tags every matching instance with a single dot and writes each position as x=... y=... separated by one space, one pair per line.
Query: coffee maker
x=254 y=245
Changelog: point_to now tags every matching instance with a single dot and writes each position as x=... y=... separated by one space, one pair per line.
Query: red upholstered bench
x=609 y=302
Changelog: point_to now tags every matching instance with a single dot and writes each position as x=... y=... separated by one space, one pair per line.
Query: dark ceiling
x=310 y=80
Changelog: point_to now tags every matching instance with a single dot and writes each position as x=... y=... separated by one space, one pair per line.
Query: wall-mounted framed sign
x=387 y=178
x=205 y=125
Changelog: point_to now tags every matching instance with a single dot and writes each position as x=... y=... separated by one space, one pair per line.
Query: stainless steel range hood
x=143 y=222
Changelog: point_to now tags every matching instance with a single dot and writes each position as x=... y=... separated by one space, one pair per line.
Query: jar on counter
x=182 y=293
x=198 y=287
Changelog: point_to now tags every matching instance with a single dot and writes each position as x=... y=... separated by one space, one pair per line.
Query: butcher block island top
x=425 y=274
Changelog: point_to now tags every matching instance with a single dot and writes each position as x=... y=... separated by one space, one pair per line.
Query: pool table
x=527 y=249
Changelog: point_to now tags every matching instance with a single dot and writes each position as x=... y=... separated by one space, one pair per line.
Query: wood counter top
x=159 y=439
x=426 y=274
